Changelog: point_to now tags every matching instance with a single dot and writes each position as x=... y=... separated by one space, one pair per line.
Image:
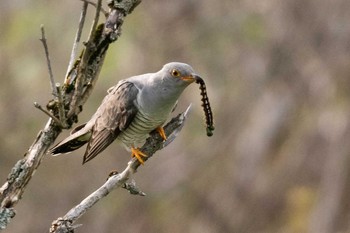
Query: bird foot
x=161 y=132
x=135 y=152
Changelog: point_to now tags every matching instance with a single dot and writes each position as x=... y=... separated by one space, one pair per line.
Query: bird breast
x=139 y=129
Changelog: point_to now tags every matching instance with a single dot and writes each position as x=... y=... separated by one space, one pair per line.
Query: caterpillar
x=206 y=107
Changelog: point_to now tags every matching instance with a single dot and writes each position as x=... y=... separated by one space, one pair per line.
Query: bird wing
x=115 y=114
x=78 y=137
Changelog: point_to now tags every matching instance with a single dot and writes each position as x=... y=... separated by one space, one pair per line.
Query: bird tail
x=79 y=137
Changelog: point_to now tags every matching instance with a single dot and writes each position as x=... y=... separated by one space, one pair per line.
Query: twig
x=43 y=41
x=83 y=67
x=132 y=188
x=56 y=91
x=77 y=38
x=97 y=16
x=94 y=4
x=55 y=119
x=153 y=144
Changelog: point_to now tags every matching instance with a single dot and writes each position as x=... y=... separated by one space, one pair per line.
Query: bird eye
x=175 y=73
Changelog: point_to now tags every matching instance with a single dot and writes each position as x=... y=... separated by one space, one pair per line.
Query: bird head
x=179 y=74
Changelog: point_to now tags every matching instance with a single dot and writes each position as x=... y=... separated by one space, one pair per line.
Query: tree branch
x=89 y=48
x=49 y=114
x=153 y=143
x=86 y=68
x=95 y=5
x=77 y=37
x=56 y=90
x=43 y=41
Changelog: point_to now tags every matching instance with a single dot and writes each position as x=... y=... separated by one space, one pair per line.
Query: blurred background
x=277 y=74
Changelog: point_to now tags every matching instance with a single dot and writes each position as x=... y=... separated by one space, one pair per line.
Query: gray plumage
x=130 y=111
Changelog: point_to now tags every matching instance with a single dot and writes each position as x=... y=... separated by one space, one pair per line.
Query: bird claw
x=161 y=132
x=135 y=152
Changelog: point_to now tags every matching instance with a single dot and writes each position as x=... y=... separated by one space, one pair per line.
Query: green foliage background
x=277 y=74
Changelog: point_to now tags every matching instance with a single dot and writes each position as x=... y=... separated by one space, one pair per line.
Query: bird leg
x=135 y=152
x=161 y=132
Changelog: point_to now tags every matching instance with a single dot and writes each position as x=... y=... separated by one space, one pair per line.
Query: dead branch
x=43 y=41
x=49 y=114
x=56 y=91
x=73 y=55
x=95 y=5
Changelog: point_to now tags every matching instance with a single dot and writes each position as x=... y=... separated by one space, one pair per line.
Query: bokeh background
x=278 y=80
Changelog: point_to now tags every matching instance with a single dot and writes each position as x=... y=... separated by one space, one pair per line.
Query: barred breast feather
x=137 y=132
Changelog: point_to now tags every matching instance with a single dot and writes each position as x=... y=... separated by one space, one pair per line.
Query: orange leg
x=161 y=132
x=135 y=152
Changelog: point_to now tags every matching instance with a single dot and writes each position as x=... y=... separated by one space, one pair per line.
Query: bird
x=132 y=109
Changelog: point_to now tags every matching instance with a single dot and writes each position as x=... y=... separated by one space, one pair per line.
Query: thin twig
x=43 y=41
x=58 y=122
x=132 y=188
x=77 y=38
x=76 y=98
x=97 y=16
x=94 y=4
x=56 y=92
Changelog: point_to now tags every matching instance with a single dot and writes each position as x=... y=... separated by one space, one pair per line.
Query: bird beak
x=191 y=78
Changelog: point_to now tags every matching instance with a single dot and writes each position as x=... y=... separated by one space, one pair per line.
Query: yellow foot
x=135 y=152
x=161 y=132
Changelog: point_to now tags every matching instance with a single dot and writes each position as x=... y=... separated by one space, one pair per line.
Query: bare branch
x=56 y=91
x=58 y=122
x=97 y=16
x=132 y=188
x=153 y=144
x=77 y=38
x=11 y=192
x=43 y=41
x=90 y=47
x=95 y=5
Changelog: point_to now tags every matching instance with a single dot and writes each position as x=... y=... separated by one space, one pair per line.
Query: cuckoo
x=132 y=109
